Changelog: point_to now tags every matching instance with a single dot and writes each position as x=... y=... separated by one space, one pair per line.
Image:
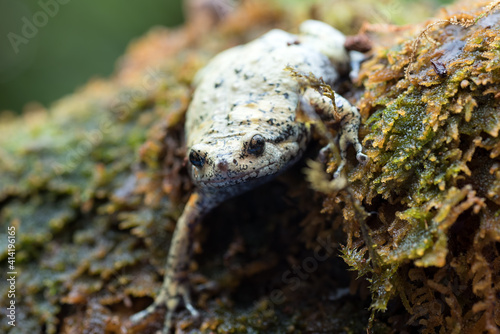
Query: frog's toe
x=140 y=316
x=167 y=324
x=362 y=158
x=339 y=170
x=194 y=312
x=324 y=153
x=189 y=304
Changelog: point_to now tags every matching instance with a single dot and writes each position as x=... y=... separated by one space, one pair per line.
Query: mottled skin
x=241 y=130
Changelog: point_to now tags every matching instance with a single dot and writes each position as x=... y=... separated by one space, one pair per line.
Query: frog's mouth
x=226 y=179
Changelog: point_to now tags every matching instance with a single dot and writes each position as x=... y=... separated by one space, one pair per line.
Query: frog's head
x=249 y=158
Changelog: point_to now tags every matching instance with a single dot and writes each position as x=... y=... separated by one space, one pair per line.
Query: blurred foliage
x=79 y=41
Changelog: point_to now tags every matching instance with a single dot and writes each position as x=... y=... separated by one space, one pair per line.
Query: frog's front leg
x=349 y=119
x=175 y=286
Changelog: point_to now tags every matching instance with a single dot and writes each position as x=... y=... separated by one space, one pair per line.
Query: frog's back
x=247 y=87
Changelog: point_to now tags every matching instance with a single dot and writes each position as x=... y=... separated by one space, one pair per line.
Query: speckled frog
x=241 y=130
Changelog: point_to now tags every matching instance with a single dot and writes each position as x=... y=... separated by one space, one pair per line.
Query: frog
x=242 y=130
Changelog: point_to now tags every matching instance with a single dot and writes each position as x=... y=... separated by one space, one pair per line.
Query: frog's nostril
x=222 y=165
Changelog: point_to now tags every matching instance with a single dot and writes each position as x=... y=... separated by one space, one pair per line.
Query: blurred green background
x=48 y=48
x=69 y=42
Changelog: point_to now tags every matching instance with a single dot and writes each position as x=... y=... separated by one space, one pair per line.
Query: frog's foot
x=171 y=302
x=349 y=118
x=349 y=133
x=360 y=156
x=137 y=318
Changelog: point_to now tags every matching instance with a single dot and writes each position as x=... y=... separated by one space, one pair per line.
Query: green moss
x=426 y=144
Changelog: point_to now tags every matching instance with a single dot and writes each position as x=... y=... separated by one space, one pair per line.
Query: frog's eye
x=196 y=159
x=256 y=145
